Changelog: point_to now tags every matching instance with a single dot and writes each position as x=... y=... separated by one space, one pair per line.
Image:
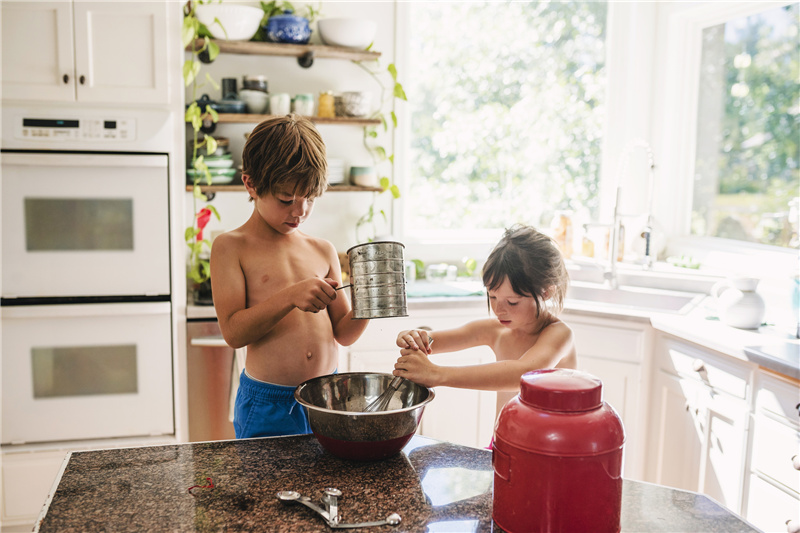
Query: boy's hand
x=416 y=339
x=314 y=294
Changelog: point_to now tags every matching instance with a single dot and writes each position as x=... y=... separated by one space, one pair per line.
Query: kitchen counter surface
x=433 y=485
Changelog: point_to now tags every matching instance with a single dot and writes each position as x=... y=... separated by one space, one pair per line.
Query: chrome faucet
x=610 y=273
x=647 y=232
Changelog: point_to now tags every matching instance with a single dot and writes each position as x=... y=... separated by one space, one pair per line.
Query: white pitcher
x=738 y=303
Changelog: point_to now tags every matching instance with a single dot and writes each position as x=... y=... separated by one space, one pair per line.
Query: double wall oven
x=86 y=298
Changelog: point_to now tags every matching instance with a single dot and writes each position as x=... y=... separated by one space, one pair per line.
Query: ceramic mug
x=279 y=104
x=363 y=176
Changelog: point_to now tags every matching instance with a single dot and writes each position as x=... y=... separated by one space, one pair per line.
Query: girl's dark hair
x=286 y=150
x=533 y=264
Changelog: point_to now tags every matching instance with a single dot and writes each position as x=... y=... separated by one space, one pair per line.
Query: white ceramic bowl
x=347 y=32
x=356 y=103
x=240 y=22
x=256 y=101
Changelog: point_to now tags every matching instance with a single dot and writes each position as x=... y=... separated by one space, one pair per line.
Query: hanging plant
x=198 y=267
x=390 y=89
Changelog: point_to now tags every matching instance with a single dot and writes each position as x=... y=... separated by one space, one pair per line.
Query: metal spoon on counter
x=331 y=512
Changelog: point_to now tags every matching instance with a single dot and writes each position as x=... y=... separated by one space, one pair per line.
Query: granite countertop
x=433 y=485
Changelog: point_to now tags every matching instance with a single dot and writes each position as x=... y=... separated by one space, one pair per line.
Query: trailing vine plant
x=193 y=31
x=378 y=152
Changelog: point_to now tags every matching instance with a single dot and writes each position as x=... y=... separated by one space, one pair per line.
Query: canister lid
x=561 y=390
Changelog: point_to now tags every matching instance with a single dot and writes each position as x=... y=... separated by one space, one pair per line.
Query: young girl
x=526 y=282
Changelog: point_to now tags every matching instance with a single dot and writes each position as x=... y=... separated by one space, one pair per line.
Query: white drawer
x=774 y=447
x=614 y=343
x=715 y=371
x=769 y=507
x=27 y=480
x=779 y=397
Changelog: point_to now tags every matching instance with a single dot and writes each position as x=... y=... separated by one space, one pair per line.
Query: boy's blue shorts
x=267 y=410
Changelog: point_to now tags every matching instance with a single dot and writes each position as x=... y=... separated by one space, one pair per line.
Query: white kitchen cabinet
x=27 y=479
x=461 y=416
x=773 y=494
x=699 y=421
x=83 y=51
x=616 y=351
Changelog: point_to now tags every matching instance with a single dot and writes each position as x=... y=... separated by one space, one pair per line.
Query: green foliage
x=507 y=123
x=279 y=7
x=378 y=152
x=198 y=269
x=749 y=164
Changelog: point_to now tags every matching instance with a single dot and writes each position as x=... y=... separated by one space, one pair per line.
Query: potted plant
x=198 y=266
x=289 y=25
x=366 y=227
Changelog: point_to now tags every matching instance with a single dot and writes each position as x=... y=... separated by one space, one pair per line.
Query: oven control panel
x=91 y=129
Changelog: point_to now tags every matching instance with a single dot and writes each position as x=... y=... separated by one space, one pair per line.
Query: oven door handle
x=85 y=310
x=84 y=160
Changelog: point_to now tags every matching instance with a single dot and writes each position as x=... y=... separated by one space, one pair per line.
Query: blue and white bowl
x=288 y=28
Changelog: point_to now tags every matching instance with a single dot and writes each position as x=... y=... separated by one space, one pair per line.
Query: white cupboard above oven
x=84 y=225
x=83 y=51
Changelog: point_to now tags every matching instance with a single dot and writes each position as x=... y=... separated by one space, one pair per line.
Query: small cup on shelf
x=363 y=176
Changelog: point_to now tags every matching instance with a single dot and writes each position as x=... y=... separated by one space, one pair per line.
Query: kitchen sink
x=638 y=298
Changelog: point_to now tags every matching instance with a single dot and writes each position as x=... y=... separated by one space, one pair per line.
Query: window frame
x=676 y=82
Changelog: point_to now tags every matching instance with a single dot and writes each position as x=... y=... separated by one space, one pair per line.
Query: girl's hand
x=416 y=339
x=313 y=295
x=414 y=365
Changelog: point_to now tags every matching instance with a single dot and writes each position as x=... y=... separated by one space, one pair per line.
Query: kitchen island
x=232 y=486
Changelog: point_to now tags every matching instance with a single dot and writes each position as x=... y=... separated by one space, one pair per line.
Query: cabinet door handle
x=792 y=526
x=698 y=365
x=797 y=408
x=65 y=78
x=82 y=79
x=796 y=462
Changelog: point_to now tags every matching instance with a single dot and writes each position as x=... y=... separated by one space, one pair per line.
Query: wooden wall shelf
x=247 y=118
x=289 y=50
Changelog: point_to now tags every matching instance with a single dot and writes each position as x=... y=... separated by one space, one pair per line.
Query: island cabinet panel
x=27 y=478
x=773 y=494
x=618 y=352
x=699 y=421
x=460 y=416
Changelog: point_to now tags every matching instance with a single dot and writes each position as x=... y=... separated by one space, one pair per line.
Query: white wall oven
x=86 y=312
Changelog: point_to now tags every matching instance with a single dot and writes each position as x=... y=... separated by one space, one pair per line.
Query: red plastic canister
x=557 y=456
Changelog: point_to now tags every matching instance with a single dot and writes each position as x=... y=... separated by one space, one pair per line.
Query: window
x=746 y=180
x=507 y=114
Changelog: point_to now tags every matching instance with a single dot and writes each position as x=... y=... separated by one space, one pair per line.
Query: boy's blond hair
x=286 y=150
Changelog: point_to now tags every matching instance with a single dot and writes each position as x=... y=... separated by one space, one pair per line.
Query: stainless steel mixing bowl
x=336 y=405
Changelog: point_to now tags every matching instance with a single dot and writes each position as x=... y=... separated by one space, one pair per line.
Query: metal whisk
x=382 y=402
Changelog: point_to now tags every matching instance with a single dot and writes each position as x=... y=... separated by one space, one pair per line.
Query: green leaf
x=381 y=152
x=399 y=92
x=189 y=234
x=369 y=47
x=192 y=112
x=198 y=193
x=385 y=183
x=213 y=50
x=395 y=191
x=190 y=70
x=392 y=70
x=372 y=134
x=211 y=144
x=394 y=119
x=391 y=159
x=217 y=21
x=213 y=210
x=199 y=163
x=187 y=31
x=213 y=113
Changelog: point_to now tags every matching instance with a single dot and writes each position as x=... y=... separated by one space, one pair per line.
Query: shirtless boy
x=273 y=285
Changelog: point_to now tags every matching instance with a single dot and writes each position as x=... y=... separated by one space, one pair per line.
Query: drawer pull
x=796 y=462
x=698 y=365
x=66 y=78
x=792 y=526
